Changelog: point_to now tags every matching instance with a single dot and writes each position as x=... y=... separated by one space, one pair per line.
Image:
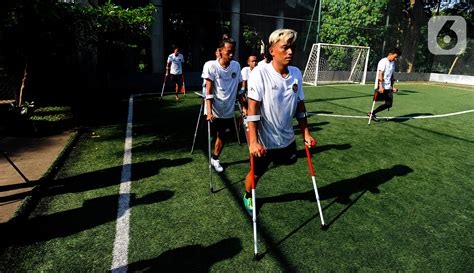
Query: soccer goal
x=331 y=63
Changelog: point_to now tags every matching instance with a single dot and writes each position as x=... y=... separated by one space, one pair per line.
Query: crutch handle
x=312 y=144
x=310 y=163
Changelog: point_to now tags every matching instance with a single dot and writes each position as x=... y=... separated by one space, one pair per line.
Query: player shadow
x=94 y=180
x=338 y=98
x=406 y=92
x=191 y=258
x=341 y=191
x=313 y=127
x=323 y=148
x=313 y=113
x=407 y=117
x=94 y=212
x=264 y=234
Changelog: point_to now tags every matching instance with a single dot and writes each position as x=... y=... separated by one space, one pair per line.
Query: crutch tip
x=256 y=257
x=324 y=227
x=212 y=190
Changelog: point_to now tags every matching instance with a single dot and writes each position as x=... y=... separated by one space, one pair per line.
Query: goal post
x=333 y=63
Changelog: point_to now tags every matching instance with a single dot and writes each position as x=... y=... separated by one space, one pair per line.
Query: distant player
x=252 y=63
x=174 y=66
x=384 y=81
x=222 y=82
x=275 y=97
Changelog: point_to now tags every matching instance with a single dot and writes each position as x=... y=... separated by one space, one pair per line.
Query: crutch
x=163 y=88
x=236 y=130
x=373 y=104
x=254 y=211
x=197 y=126
x=243 y=120
x=254 y=201
x=310 y=163
x=210 y=167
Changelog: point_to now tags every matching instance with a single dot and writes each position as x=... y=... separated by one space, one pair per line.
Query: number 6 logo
x=446 y=35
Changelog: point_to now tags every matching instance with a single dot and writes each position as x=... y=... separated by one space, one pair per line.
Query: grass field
x=397 y=195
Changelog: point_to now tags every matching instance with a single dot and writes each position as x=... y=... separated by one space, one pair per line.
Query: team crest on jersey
x=234 y=75
x=295 y=87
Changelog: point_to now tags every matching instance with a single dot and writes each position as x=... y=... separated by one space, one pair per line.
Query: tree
x=354 y=23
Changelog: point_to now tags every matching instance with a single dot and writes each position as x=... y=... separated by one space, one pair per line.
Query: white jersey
x=246 y=73
x=262 y=63
x=205 y=68
x=224 y=87
x=387 y=69
x=176 y=63
x=278 y=99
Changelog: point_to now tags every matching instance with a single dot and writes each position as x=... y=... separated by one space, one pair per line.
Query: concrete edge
x=29 y=203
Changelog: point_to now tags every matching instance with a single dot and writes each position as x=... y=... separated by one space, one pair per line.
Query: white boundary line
x=120 y=252
x=402 y=117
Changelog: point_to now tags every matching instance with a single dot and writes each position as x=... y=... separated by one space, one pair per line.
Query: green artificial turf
x=397 y=195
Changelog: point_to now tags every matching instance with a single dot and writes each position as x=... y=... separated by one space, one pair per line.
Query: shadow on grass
x=341 y=191
x=313 y=113
x=264 y=233
x=313 y=127
x=94 y=212
x=339 y=98
x=323 y=148
x=191 y=258
x=404 y=92
x=94 y=180
x=406 y=117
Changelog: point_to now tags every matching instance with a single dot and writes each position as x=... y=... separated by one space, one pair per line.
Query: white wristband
x=253 y=118
x=209 y=97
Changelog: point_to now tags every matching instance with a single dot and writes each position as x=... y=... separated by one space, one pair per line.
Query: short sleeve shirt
x=246 y=73
x=278 y=99
x=387 y=69
x=176 y=63
x=225 y=82
x=262 y=63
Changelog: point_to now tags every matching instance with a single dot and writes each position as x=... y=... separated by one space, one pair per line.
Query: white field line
x=447 y=85
x=401 y=117
x=120 y=252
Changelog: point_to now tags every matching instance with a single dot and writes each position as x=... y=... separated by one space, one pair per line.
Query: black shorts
x=221 y=125
x=283 y=156
x=178 y=79
x=387 y=95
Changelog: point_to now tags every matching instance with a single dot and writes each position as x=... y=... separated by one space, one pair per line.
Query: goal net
x=331 y=63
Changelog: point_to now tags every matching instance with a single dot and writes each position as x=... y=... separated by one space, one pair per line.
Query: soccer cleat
x=374 y=117
x=217 y=166
x=248 y=205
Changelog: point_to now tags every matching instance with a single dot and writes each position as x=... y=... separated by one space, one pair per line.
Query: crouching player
x=275 y=97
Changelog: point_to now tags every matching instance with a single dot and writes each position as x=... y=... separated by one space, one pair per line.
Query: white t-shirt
x=387 y=69
x=205 y=68
x=262 y=63
x=246 y=73
x=176 y=63
x=224 y=87
x=278 y=99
